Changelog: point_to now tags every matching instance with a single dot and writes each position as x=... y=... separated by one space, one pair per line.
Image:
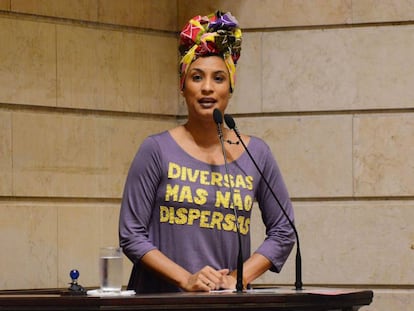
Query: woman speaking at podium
x=188 y=196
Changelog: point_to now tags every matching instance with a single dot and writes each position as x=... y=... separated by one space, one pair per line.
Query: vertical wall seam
x=56 y=66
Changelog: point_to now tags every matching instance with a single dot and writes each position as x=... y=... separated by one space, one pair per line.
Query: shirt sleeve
x=280 y=236
x=138 y=200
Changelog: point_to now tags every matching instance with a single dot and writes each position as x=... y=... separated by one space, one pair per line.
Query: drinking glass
x=110 y=269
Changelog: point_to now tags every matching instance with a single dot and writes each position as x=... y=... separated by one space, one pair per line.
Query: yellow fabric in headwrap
x=232 y=70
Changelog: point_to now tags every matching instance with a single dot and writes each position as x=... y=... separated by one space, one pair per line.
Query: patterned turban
x=214 y=34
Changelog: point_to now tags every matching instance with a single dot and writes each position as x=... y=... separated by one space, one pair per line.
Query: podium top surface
x=256 y=299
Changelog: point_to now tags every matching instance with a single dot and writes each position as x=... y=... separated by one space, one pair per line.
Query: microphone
x=218 y=118
x=298 y=282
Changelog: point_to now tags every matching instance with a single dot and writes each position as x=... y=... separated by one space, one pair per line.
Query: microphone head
x=217 y=116
x=229 y=121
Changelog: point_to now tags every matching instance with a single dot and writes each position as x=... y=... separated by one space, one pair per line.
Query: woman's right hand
x=206 y=279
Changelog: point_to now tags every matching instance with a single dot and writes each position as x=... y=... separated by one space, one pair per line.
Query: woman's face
x=207 y=86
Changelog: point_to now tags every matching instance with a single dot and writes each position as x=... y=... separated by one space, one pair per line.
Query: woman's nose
x=207 y=85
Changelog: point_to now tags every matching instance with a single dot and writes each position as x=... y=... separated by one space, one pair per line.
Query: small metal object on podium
x=75 y=289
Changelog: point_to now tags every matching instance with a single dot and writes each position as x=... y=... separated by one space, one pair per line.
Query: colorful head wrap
x=214 y=34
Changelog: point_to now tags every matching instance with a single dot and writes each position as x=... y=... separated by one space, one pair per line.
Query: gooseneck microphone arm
x=298 y=282
x=218 y=118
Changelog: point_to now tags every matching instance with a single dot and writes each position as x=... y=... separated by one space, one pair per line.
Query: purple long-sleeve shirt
x=181 y=206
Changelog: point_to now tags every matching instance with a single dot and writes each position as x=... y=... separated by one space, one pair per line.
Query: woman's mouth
x=207 y=101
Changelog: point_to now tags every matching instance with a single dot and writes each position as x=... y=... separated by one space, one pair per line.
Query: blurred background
x=327 y=83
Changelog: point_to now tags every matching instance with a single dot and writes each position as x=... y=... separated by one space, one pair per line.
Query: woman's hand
x=205 y=280
x=208 y=279
x=229 y=282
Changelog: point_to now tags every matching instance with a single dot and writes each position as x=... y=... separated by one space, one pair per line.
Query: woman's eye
x=219 y=79
x=196 y=77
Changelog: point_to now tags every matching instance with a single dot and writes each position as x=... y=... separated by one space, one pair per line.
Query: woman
x=177 y=221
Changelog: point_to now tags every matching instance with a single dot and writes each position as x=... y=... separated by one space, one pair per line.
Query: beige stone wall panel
x=159 y=77
x=28 y=237
x=351 y=242
x=98 y=69
x=60 y=155
x=307 y=70
x=391 y=299
x=46 y=240
x=74 y=9
x=5 y=5
x=384 y=155
x=80 y=226
x=272 y=13
x=119 y=71
x=375 y=11
x=84 y=228
x=314 y=153
x=154 y=14
x=338 y=69
x=247 y=94
x=382 y=59
x=28 y=58
x=5 y=153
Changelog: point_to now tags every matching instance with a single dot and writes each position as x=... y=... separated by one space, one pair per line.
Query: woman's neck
x=202 y=142
x=203 y=134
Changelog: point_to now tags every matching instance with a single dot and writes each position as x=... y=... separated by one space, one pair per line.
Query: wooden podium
x=315 y=299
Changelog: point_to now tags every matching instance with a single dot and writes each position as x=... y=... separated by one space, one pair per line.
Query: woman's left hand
x=228 y=282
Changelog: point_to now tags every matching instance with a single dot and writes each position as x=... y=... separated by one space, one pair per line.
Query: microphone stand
x=298 y=281
x=218 y=118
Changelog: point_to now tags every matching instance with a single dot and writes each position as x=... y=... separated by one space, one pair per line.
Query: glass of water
x=110 y=269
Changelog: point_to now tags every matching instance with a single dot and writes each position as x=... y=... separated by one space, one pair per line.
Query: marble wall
x=328 y=84
x=78 y=93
